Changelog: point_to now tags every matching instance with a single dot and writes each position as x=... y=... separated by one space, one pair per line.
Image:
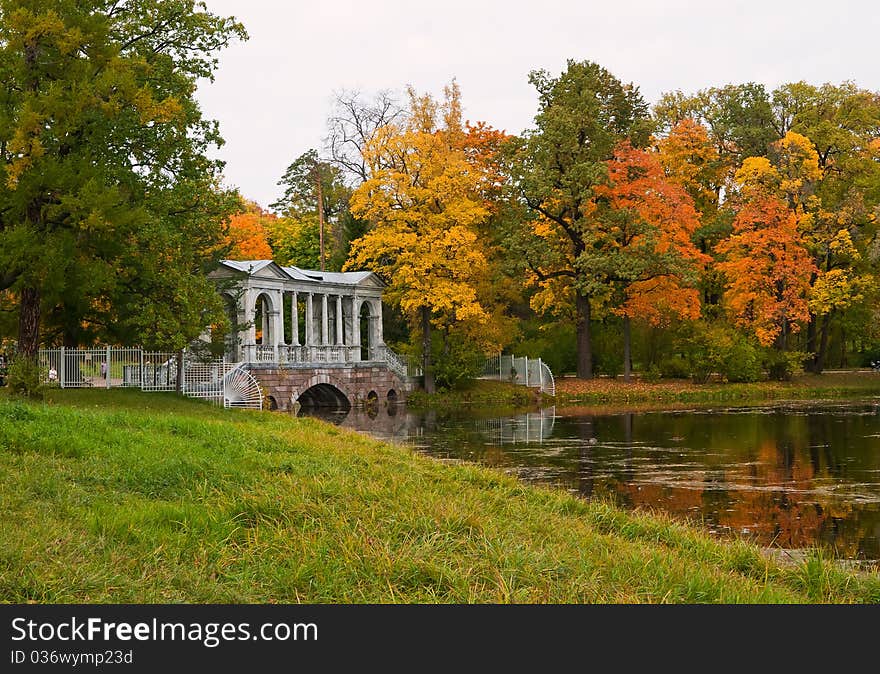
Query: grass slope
x=129 y=497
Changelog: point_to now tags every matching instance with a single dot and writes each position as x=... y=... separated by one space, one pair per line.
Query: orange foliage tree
x=247 y=233
x=648 y=222
x=768 y=271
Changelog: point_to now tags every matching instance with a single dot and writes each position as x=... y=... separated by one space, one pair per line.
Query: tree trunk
x=819 y=364
x=811 y=344
x=627 y=357
x=584 y=338
x=427 y=365
x=29 y=323
x=782 y=337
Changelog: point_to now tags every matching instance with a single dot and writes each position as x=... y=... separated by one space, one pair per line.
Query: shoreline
x=613 y=396
x=136 y=497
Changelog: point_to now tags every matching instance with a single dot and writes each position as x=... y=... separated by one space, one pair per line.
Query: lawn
x=129 y=497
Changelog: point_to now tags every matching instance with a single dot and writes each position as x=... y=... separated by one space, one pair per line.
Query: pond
x=790 y=475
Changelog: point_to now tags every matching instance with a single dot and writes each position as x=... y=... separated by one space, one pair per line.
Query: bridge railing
x=336 y=353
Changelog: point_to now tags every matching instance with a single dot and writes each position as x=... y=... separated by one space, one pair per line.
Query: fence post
x=141 y=371
x=541 y=374
x=107 y=378
x=527 y=370
x=61 y=368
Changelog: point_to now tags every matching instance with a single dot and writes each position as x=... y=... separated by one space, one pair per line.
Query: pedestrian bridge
x=311 y=338
x=300 y=338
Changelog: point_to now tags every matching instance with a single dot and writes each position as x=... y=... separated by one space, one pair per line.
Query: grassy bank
x=496 y=397
x=124 y=496
x=616 y=392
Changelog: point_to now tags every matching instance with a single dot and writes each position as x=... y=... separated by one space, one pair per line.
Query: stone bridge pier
x=339 y=385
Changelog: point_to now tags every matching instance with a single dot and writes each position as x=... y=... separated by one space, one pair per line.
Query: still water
x=788 y=475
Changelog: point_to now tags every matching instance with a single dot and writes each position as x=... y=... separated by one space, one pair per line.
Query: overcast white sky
x=273 y=93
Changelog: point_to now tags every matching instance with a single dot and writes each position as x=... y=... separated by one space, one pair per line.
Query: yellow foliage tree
x=425 y=201
x=691 y=160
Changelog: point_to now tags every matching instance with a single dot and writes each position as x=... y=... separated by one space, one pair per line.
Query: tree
x=315 y=203
x=791 y=172
x=353 y=123
x=768 y=271
x=109 y=204
x=295 y=241
x=248 y=232
x=739 y=118
x=583 y=115
x=423 y=199
x=690 y=160
x=641 y=244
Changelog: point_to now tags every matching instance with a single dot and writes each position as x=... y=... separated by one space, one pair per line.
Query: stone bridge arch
x=343 y=386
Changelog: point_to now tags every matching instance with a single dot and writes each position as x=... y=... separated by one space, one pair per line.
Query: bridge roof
x=350 y=278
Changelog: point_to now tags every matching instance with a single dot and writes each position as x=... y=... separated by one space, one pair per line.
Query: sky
x=273 y=93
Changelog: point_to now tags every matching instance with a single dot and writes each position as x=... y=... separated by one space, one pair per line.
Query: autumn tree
x=423 y=199
x=691 y=160
x=838 y=213
x=248 y=232
x=110 y=209
x=739 y=118
x=768 y=272
x=791 y=172
x=811 y=147
x=641 y=244
x=583 y=114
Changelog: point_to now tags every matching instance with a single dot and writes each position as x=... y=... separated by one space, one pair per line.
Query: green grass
x=492 y=397
x=129 y=497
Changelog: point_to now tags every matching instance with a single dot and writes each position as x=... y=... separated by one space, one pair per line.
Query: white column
x=325 y=337
x=265 y=325
x=281 y=339
x=355 y=322
x=339 y=326
x=277 y=322
x=355 y=333
x=380 y=337
x=294 y=320
x=249 y=334
x=310 y=337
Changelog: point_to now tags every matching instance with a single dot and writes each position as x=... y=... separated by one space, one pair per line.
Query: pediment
x=263 y=269
x=270 y=271
x=371 y=281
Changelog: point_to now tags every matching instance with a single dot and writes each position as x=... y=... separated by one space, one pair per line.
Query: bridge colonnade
x=287 y=314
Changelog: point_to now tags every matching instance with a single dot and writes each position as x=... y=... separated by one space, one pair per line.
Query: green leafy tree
x=296 y=238
x=110 y=209
x=556 y=167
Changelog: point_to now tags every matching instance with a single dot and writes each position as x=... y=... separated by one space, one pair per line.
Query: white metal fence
x=223 y=383
x=521 y=370
x=109 y=367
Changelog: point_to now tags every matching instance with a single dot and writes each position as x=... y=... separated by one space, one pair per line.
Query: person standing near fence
x=104 y=372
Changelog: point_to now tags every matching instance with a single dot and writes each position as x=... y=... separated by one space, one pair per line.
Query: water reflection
x=790 y=475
